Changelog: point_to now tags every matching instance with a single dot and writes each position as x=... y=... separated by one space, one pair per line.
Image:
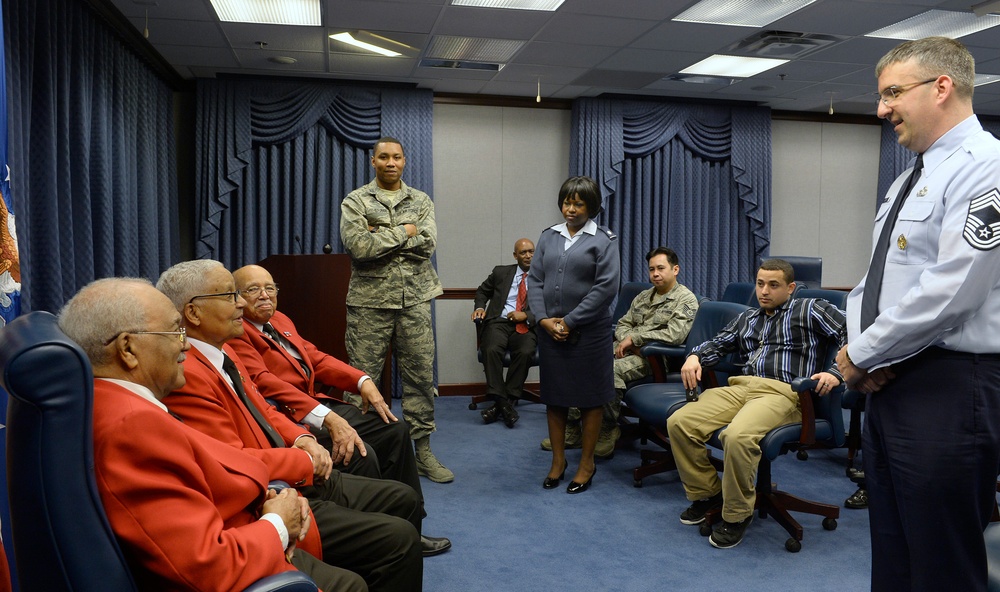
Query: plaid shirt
x=790 y=343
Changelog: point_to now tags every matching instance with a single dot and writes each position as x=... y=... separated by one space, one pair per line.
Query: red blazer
x=207 y=403
x=278 y=373
x=184 y=506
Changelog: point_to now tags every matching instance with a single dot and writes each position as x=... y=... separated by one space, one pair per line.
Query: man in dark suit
x=189 y=511
x=368 y=526
x=507 y=325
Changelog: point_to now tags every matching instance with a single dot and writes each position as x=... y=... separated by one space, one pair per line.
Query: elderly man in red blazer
x=293 y=372
x=369 y=526
x=190 y=512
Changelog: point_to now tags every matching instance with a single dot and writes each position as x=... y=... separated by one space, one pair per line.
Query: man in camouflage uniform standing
x=388 y=228
x=662 y=313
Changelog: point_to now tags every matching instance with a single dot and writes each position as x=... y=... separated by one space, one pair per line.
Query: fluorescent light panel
x=982 y=79
x=270 y=12
x=350 y=40
x=548 y=5
x=740 y=13
x=732 y=66
x=945 y=23
x=473 y=49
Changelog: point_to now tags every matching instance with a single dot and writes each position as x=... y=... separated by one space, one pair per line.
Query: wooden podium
x=314 y=294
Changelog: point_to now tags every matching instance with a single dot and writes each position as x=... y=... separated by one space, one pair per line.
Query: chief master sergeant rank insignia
x=982 y=225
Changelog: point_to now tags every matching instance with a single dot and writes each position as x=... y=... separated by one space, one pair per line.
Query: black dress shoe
x=551 y=483
x=433 y=545
x=490 y=415
x=575 y=487
x=510 y=415
x=858 y=500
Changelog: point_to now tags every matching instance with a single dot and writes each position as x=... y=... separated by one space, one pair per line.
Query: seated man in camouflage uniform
x=662 y=313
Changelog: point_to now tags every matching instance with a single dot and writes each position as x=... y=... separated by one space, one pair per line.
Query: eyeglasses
x=234 y=295
x=254 y=291
x=180 y=334
x=892 y=93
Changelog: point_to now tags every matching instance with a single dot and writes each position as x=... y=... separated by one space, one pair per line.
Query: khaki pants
x=751 y=407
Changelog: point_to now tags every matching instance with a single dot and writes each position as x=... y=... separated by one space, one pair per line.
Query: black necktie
x=272 y=434
x=873 y=281
x=273 y=334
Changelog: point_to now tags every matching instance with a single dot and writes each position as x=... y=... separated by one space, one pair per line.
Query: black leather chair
x=526 y=394
x=62 y=539
x=653 y=403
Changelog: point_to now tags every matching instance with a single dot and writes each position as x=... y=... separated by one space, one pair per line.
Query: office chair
x=62 y=538
x=526 y=394
x=653 y=403
x=740 y=293
x=808 y=270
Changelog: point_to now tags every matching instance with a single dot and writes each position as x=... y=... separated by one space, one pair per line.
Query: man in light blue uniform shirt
x=924 y=330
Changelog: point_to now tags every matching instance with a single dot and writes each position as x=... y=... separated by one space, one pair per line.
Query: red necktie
x=522 y=298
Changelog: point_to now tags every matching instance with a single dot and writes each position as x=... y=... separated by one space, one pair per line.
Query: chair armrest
x=658 y=348
x=804 y=387
x=278 y=486
x=289 y=581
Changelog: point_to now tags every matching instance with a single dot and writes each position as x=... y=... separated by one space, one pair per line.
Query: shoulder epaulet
x=608 y=232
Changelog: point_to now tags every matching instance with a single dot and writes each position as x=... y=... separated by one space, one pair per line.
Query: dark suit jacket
x=280 y=376
x=184 y=505
x=495 y=289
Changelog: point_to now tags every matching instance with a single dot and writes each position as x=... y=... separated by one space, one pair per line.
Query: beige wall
x=497 y=171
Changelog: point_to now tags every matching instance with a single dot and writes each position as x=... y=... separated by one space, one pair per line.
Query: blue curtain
x=691 y=177
x=275 y=159
x=91 y=133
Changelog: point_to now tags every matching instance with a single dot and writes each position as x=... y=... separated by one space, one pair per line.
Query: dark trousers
x=499 y=336
x=390 y=450
x=931 y=457
x=326 y=576
x=372 y=528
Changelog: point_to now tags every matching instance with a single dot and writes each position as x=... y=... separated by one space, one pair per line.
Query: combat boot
x=606 y=442
x=574 y=438
x=428 y=465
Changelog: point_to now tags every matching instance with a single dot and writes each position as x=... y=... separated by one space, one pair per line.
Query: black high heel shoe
x=575 y=487
x=551 y=483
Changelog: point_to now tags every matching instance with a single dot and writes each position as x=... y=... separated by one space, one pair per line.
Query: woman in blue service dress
x=573 y=279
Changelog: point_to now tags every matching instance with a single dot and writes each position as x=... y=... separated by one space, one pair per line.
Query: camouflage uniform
x=392 y=284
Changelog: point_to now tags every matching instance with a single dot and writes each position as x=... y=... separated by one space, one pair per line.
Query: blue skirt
x=579 y=374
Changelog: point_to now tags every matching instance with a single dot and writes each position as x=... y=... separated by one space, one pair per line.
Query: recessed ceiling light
x=945 y=23
x=283 y=60
x=269 y=12
x=732 y=66
x=357 y=40
x=740 y=13
x=549 y=5
x=982 y=79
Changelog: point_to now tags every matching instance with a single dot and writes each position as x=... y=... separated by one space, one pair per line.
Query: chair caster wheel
x=830 y=523
x=705 y=529
x=793 y=546
x=802 y=455
x=472 y=406
x=637 y=483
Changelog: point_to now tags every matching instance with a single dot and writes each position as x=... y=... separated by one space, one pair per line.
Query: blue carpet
x=510 y=534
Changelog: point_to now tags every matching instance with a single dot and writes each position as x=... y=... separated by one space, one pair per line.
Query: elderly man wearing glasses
x=368 y=526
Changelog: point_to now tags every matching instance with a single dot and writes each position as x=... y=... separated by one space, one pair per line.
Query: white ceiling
x=586 y=48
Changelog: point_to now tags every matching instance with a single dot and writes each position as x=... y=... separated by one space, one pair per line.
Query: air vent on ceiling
x=782 y=44
x=460 y=65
